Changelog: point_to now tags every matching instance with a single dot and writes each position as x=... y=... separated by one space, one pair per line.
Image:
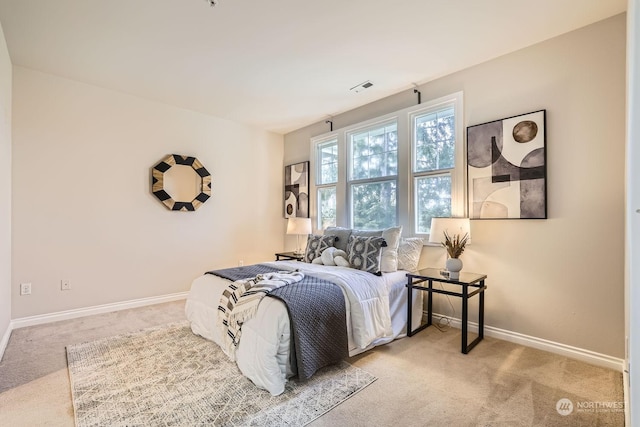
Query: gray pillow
x=315 y=246
x=342 y=234
x=364 y=253
x=367 y=233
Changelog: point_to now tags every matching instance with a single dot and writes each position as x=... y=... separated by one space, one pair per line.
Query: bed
x=376 y=308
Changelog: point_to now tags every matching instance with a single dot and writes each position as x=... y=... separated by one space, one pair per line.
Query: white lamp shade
x=452 y=226
x=299 y=225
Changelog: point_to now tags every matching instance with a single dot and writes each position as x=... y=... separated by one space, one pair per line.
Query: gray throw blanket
x=318 y=318
x=318 y=321
x=246 y=272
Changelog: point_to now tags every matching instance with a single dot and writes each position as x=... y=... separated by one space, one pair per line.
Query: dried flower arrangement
x=455 y=246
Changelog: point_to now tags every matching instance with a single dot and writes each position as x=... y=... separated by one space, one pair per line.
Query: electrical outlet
x=240 y=263
x=65 y=285
x=25 y=288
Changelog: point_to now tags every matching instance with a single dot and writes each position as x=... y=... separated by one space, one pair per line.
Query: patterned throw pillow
x=315 y=246
x=389 y=257
x=409 y=253
x=364 y=253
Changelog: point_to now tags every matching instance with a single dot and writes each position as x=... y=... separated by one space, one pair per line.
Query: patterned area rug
x=167 y=376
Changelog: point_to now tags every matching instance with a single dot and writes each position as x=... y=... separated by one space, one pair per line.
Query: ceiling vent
x=362 y=86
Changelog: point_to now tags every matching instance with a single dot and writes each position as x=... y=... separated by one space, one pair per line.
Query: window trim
x=314 y=186
x=458 y=173
x=405 y=206
x=318 y=171
x=350 y=182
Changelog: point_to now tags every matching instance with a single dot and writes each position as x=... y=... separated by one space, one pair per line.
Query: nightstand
x=289 y=256
x=466 y=281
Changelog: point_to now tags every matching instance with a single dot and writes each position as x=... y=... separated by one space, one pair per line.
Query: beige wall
x=82 y=206
x=5 y=188
x=559 y=279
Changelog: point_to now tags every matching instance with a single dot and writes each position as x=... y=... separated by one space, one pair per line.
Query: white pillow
x=389 y=258
x=409 y=252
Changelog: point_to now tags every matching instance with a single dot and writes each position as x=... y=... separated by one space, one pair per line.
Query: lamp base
x=299 y=251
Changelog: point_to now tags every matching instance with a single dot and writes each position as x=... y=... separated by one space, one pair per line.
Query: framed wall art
x=296 y=190
x=506 y=168
x=181 y=183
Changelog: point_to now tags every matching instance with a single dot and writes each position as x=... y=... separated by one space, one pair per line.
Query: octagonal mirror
x=181 y=183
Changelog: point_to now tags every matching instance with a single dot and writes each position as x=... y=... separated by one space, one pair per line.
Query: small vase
x=454 y=265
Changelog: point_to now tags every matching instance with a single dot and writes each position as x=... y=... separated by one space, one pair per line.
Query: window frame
x=457 y=173
x=319 y=146
x=315 y=188
x=406 y=210
x=351 y=182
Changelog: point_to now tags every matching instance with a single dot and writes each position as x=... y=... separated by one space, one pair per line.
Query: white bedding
x=376 y=314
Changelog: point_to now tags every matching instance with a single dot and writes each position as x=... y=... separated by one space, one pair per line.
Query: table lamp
x=298 y=226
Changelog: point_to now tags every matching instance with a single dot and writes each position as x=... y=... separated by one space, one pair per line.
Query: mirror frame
x=157 y=182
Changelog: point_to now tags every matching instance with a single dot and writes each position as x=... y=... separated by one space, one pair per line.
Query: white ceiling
x=280 y=64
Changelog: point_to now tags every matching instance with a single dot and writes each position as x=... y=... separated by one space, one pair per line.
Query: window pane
x=373 y=205
x=360 y=168
x=326 y=207
x=377 y=166
x=328 y=162
x=374 y=153
x=392 y=163
x=433 y=199
x=435 y=141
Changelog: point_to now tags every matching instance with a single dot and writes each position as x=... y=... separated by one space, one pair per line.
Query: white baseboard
x=587 y=356
x=581 y=354
x=5 y=339
x=96 y=309
x=627 y=401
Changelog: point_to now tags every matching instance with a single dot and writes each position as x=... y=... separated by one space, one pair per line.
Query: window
x=328 y=154
x=327 y=203
x=326 y=179
x=400 y=169
x=373 y=170
x=434 y=154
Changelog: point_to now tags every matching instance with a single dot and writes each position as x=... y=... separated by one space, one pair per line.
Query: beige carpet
x=422 y=381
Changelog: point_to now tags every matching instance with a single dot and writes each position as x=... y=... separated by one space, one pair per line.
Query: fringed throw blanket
x=239 y=303
x=318 y=318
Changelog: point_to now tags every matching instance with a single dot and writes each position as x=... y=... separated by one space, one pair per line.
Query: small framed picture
x=296 y=190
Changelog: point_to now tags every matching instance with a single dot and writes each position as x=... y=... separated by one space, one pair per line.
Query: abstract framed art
x=296 y=190
x=507 y=168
